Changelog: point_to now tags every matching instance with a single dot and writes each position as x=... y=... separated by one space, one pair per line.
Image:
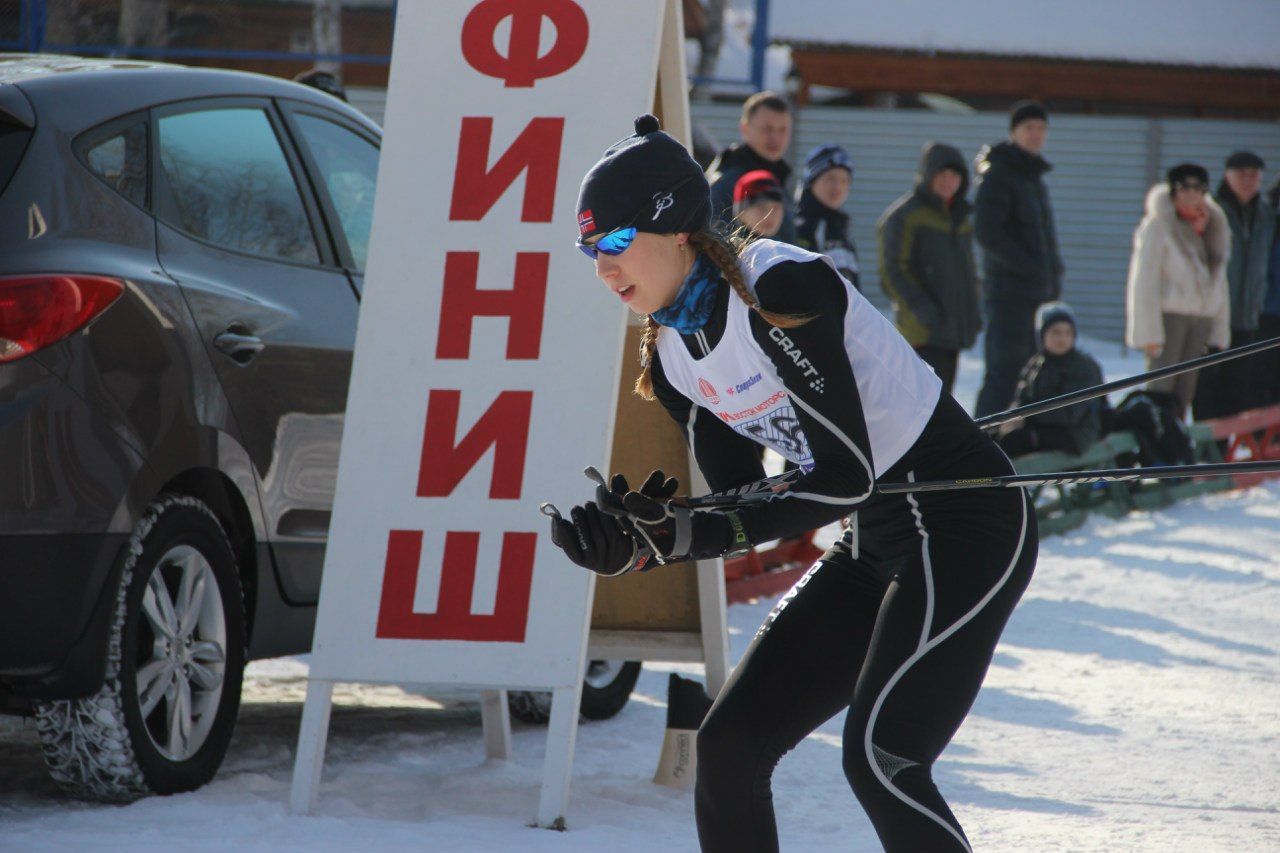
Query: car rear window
x=120 y=161
x=13 y=143
x=228 y=182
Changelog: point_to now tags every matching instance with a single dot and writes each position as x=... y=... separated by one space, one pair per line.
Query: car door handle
x=238 y=344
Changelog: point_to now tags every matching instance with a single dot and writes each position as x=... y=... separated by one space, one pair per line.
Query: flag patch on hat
x=586 y=223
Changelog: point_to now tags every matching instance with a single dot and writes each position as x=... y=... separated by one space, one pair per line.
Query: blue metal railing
x=759 y=45
x=33 y=27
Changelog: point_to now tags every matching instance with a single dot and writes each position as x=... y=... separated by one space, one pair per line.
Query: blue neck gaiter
x=695 y=300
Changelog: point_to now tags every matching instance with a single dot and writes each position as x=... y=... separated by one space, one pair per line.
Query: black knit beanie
x=1186 y=171
x=1054 y=312
x=1245 y=160
x=1024 y=110
x=647 y=180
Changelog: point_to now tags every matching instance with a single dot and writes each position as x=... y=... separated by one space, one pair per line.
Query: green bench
x=1065 y=506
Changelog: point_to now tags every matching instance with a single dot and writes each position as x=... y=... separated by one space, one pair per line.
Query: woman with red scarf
x=1177 y=300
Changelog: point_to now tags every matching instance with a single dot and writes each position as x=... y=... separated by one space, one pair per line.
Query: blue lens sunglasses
x=619 y=239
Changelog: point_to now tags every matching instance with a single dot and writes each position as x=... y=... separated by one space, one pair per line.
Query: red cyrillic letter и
x=536 y=152
x=504 y=426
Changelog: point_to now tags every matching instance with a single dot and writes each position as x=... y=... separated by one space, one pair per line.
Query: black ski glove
x=671 y=532
x=624 y=530
x=597 y=541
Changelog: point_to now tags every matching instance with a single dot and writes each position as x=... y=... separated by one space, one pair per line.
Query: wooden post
x=675 y=612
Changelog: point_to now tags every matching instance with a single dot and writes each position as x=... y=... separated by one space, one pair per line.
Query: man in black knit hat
x=1022 y=270
x=1241 y=384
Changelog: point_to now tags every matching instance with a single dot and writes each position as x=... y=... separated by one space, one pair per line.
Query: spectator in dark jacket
x=1238 y=385
x=1269 y=320
x=1059 y=368
x=766 y=134
x=821 y=224
x=1013 y=222
x=926 y=262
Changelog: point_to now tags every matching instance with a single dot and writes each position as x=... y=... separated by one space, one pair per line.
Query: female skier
x=899 y=620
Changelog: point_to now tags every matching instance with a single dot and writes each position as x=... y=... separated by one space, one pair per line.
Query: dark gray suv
x=181 y=253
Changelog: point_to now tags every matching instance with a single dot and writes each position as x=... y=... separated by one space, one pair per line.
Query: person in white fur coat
x=1177 y=300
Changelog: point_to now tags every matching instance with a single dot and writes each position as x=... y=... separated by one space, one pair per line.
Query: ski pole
x=730 y=500
x=991 y=421
x=763 y=489
x=1109 y=475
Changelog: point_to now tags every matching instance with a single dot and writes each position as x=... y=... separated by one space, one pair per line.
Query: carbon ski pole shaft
x=992 y=421
x=1110 y=475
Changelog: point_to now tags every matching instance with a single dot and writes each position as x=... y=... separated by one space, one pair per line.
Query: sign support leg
x=311 y=744
x=715 y=630
x=561 y=736
x=496 y=720
x=712 y=607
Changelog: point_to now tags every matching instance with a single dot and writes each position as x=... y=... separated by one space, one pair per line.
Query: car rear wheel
x=163 y=718
x=606 y=687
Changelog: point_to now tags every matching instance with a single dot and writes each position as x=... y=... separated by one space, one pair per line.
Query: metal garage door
x=1103 y=166
x=1102 y=169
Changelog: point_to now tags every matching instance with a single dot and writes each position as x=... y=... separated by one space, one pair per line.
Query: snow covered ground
x=1133 y=705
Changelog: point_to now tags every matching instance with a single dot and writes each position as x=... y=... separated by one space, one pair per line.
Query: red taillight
x=38 y=310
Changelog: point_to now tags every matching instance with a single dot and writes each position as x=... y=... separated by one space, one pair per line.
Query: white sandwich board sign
x=486 y=364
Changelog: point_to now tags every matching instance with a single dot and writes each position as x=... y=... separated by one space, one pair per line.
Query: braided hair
x=723 y=252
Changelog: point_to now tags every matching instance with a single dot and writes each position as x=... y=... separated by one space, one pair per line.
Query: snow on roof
x=1233 y=33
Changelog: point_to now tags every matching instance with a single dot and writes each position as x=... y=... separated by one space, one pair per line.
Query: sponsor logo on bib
x=743 y=386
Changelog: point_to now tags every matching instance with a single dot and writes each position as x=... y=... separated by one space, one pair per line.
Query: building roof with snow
x=1226 y=33
x=1179 y=57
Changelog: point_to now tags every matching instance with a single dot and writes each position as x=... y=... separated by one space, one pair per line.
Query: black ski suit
x=899 y=620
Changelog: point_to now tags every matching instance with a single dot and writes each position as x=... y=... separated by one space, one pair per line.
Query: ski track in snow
x=1134 y=704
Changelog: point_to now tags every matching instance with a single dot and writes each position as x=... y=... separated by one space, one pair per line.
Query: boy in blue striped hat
x=821 y=224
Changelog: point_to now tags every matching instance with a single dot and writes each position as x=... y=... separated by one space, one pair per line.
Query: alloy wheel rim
x=180 y=675
x=601 y=673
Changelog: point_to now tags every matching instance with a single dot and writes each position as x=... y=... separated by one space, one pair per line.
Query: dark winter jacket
x=734 y=162
x=1271 y=305
x=1013 y=221
x=926 y=259
x=825 y=230
x=1253 y=228
x=1071 y=428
